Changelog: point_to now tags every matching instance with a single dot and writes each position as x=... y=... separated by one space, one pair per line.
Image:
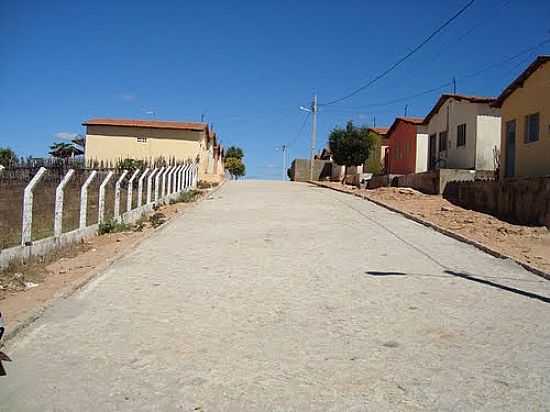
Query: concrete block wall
x=523 y=201
x=300 y=168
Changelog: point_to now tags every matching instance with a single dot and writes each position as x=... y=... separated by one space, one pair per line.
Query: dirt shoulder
x=530 y=245
x=26 y=290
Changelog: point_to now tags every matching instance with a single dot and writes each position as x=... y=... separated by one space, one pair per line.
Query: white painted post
x=186 y=173
x=163 y=183
x=101 y=208
x=157 y=181
x=1 y=168
x=149 y=186
x=59 y=198
x=175 y=180
x=166 y=185
x=195 y=175
x=180 y=178
x=116 y=213
x=130 y=190
x=26 y=230
x=84 y=199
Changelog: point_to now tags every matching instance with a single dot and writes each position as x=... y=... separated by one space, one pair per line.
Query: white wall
x=453 y=113
x=488 y=137
x=421 y=152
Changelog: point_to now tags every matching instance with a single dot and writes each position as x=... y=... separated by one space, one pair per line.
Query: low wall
x=300 y=170
x=434 y=182
x=523 y=201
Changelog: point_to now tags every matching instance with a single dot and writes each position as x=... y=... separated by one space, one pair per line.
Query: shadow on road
x=469 y=277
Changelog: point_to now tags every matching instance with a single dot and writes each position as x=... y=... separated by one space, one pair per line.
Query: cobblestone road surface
x=280 y=296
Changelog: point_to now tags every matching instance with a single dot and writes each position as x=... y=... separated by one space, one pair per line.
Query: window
x=442 y=141
x=532 y=128
x=461 y=135
x=142 y=140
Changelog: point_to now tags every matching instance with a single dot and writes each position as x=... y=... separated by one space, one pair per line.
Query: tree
x=351 y=145
x=7 y=157
x=235 y=167
x=64 y=150
x=234 y=151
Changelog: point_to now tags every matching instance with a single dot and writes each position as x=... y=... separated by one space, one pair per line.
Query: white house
x=464 y=133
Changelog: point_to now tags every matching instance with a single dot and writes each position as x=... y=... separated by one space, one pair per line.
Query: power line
x=400 y=61
x=500 y=63
x=298 y=135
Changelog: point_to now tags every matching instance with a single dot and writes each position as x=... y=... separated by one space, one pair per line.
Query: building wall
x=488 y=140
x=532 y=159
x=403 y=149
x=113 y=143
x=421 y=152
x=454 y=113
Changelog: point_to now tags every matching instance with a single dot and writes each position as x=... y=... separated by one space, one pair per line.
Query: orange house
x=408 y=146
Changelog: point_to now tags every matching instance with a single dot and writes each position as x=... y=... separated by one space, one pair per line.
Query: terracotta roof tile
x=380 y=130
x=157 y=124
x=444 y=97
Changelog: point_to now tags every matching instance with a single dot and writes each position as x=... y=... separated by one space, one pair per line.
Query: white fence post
x=1 y=168
x=157 y=181
x=26 y=230
x=186 y=176
x=181 y=177
x=195 y=175
x=163 y=183
x=130 y=190
x=59 y=198
x=174 y=181
x=84 y=199
x=116 y=213
x=101 y=211
x=149 y=185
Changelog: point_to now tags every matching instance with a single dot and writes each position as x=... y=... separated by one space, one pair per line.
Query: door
x=510 y=166
x=432 y=152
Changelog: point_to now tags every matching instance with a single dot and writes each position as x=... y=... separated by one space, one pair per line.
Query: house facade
x=525 y=111
x=112 y=140
x=407 y=150
x=464 y=133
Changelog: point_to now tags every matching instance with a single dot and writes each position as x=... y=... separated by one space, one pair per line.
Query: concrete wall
x=478 y=141
x=532 y=159
x=435 y=181
x=518 y=200
x=300 y=168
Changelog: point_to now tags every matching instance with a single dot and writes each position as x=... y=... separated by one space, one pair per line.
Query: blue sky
x=248 y=65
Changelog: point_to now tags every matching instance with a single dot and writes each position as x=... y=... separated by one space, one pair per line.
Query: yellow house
x=112 y=140
x=525 y=111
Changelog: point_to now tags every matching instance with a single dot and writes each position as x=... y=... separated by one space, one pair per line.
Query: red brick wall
x=403 y=149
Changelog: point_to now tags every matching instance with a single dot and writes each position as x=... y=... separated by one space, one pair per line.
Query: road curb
x=79 y=284
x=442 y=230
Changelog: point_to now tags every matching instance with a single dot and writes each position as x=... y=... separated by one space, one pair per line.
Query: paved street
x=281 y=296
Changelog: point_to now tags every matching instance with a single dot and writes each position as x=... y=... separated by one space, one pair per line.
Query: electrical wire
x=404 y=58
x=298 y=135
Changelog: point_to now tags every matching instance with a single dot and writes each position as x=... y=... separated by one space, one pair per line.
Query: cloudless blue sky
x=248 y=65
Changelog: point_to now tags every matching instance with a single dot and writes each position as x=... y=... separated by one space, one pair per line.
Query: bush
x=112 y=226
x=187 y=197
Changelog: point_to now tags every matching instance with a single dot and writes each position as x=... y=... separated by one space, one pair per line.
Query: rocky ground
x=525 y=243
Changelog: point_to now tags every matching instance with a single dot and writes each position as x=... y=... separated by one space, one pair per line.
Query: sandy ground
x=66 y=270
x=525 y=243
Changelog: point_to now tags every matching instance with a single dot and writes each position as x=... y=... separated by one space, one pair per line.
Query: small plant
x=204 y=184
x=187 y=197
x=157 y=219
x=112 y=226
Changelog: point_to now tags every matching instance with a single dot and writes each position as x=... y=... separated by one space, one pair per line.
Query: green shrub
x=112 y=226
x=187 y=197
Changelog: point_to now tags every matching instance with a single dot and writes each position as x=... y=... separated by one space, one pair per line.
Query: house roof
x=156 y=124
x=460 y=97
x=417 y=121
x=382 y=131
x=518 y=82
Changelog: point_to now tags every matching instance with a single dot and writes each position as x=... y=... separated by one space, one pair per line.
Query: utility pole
x=284 y=148
x=406 y=109
x=313 y=134
x=454 y=85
